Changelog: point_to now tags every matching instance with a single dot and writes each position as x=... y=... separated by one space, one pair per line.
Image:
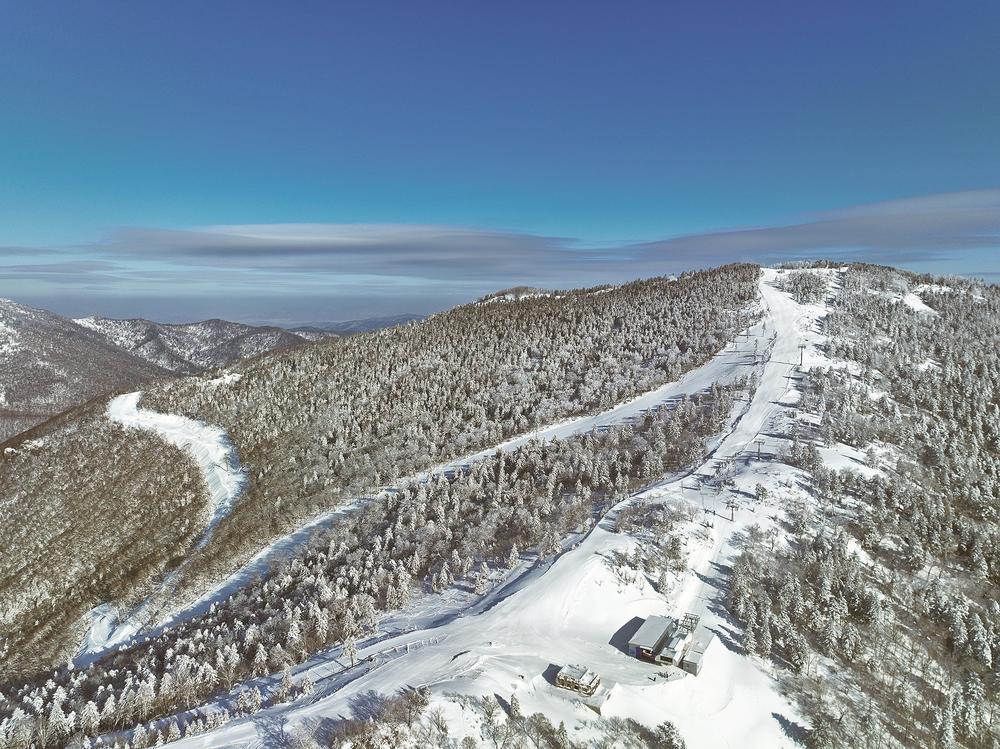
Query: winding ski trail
x=216 y=457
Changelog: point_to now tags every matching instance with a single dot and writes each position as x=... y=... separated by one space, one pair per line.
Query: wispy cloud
x=71 y=272
x=898 y=231
x=908 y=230
x=419 y=252
x=434 y=266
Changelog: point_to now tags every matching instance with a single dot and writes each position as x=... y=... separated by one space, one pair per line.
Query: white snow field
x=580 y=608
x=914 y=302
x=216 y=458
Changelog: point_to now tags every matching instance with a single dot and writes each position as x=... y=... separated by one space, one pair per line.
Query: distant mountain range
x=50 y=363
x=352 y=327
x=194 y=347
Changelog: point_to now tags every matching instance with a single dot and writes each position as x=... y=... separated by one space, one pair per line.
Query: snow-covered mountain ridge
x=50 y=363
x=194 y=347
x=796 y=490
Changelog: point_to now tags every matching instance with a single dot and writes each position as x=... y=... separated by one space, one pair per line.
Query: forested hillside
x=336 y=419
x=460 y=529
x=851 y=578
x=344 y=417
x=90 y=513
x=884 y=608
x=49 y=364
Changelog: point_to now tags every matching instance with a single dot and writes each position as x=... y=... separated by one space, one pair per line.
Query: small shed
x=648 y=640
x=578 y=679
x=694 y=658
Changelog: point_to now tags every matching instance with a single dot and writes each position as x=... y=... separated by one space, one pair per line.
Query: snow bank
x=227 y=379
x=106 y=630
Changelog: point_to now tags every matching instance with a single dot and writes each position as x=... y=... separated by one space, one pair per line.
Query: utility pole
x=802 y=353
x=759 y=443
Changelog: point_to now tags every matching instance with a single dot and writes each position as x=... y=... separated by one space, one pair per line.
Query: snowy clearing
x=917 y=304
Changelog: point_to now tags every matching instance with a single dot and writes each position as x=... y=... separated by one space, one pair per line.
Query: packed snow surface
x=914 y=302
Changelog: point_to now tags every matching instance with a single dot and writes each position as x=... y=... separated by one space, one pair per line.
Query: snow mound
x=106 y=629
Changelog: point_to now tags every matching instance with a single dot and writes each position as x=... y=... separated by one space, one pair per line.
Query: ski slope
x=578 y=609
x=736 y=360
x=216 y=458
x=914 y=302
x=209 y=446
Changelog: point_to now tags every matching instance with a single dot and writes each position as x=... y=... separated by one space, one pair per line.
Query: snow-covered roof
x=699 y=645
x=676 y=644
x=579 y=674
x=652 y=632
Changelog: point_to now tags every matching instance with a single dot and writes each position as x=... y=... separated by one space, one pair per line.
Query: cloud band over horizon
x=296 y=272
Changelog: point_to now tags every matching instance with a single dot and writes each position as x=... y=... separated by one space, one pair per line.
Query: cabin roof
x=652 y=632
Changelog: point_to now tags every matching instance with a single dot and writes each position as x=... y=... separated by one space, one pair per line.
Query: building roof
x=652 y=632
x=701 y=643
x=580 y=674
x=675 y=645
x=703 y=639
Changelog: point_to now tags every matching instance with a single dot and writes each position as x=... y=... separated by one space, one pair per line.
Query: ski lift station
x=665 y=640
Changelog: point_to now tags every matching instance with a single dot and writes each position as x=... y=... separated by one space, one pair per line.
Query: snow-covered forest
x=882 y=605
x=320 y=423
x=459 y=529
x=341 y=418
x=824 y=494
x=346 y=417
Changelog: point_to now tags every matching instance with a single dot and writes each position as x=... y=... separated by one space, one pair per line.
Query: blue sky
x=567 y=138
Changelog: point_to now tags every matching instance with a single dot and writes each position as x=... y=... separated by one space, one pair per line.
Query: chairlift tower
x=689 y=623
x=731 y=504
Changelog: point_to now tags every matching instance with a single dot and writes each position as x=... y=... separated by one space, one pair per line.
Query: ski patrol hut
x=650 y=638
x=578 y=679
